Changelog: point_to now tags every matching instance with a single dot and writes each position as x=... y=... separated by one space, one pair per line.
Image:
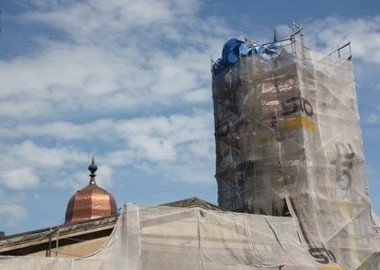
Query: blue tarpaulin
x=234 y=48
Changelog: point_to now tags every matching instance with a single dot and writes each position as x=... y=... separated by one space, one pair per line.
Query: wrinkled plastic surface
x=288 y=142
x=158 y=238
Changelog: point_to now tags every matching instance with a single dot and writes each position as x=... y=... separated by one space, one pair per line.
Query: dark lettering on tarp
x=329 y=106
x=322 y=255
x=294 y=104
x=344 y=165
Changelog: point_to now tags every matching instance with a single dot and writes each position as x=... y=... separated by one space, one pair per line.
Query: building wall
x=77 y=249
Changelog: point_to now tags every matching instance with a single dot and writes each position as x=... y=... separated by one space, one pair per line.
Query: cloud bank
x=128 y=81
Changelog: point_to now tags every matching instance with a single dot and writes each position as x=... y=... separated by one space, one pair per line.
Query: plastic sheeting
x=233 y=49
x=288 y=142
x=182 y=238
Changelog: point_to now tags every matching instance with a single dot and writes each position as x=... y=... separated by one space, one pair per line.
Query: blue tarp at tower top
x=234 y=48
x=231 y=52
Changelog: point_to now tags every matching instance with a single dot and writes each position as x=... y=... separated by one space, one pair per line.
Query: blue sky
x=130 y=82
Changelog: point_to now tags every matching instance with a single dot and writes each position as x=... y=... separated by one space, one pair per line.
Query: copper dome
x=90 y=202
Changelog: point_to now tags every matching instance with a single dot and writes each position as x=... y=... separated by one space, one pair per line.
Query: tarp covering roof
x=162 y=237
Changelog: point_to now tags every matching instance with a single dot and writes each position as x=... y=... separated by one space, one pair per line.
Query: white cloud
x=79 y=179
x=104 y=176
x=165 y=143
x=28 y=153
x=20 y=178
x=12 y=213
x=160 y=138
x=91 y=18
x=128 y=81
x=113 y=56
x=74 y=180
x=58 y=130
x=364 y=34
x=373 y=118
x=120 y=157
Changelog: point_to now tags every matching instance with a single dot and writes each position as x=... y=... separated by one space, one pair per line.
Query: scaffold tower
x=288 y=143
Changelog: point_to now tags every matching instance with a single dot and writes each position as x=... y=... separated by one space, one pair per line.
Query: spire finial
x=92 y=168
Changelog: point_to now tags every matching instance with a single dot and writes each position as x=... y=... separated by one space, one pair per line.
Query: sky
x=129 y=83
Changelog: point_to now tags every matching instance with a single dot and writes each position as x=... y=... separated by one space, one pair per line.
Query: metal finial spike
x=275 y=39
x=92 y=168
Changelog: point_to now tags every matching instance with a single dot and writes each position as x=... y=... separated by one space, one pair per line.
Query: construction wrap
x=161 y=237
x=288 y=143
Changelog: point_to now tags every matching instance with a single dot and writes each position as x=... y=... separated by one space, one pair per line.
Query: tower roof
x=91 y=201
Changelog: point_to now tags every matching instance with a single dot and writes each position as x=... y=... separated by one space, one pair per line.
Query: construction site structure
x=288 y=143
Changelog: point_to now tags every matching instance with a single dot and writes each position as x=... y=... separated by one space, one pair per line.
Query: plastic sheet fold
x=288 y=141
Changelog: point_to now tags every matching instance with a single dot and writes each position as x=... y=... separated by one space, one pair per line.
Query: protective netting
x=158 y=238
x=288 y=142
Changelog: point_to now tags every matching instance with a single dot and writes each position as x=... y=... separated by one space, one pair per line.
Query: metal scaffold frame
x=288 y=142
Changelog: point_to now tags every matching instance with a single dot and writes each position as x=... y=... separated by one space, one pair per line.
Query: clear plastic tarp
x=288 y=142
x=162 y=237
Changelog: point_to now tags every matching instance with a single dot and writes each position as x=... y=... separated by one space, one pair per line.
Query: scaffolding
x=288 y=142
x=252 y=98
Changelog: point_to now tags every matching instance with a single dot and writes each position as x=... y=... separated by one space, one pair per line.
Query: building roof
x=75 y=232
x=194 y=202
x=67 y=234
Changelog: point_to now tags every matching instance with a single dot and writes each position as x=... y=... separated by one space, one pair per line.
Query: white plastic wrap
x=161 y=238
x=288 y=142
